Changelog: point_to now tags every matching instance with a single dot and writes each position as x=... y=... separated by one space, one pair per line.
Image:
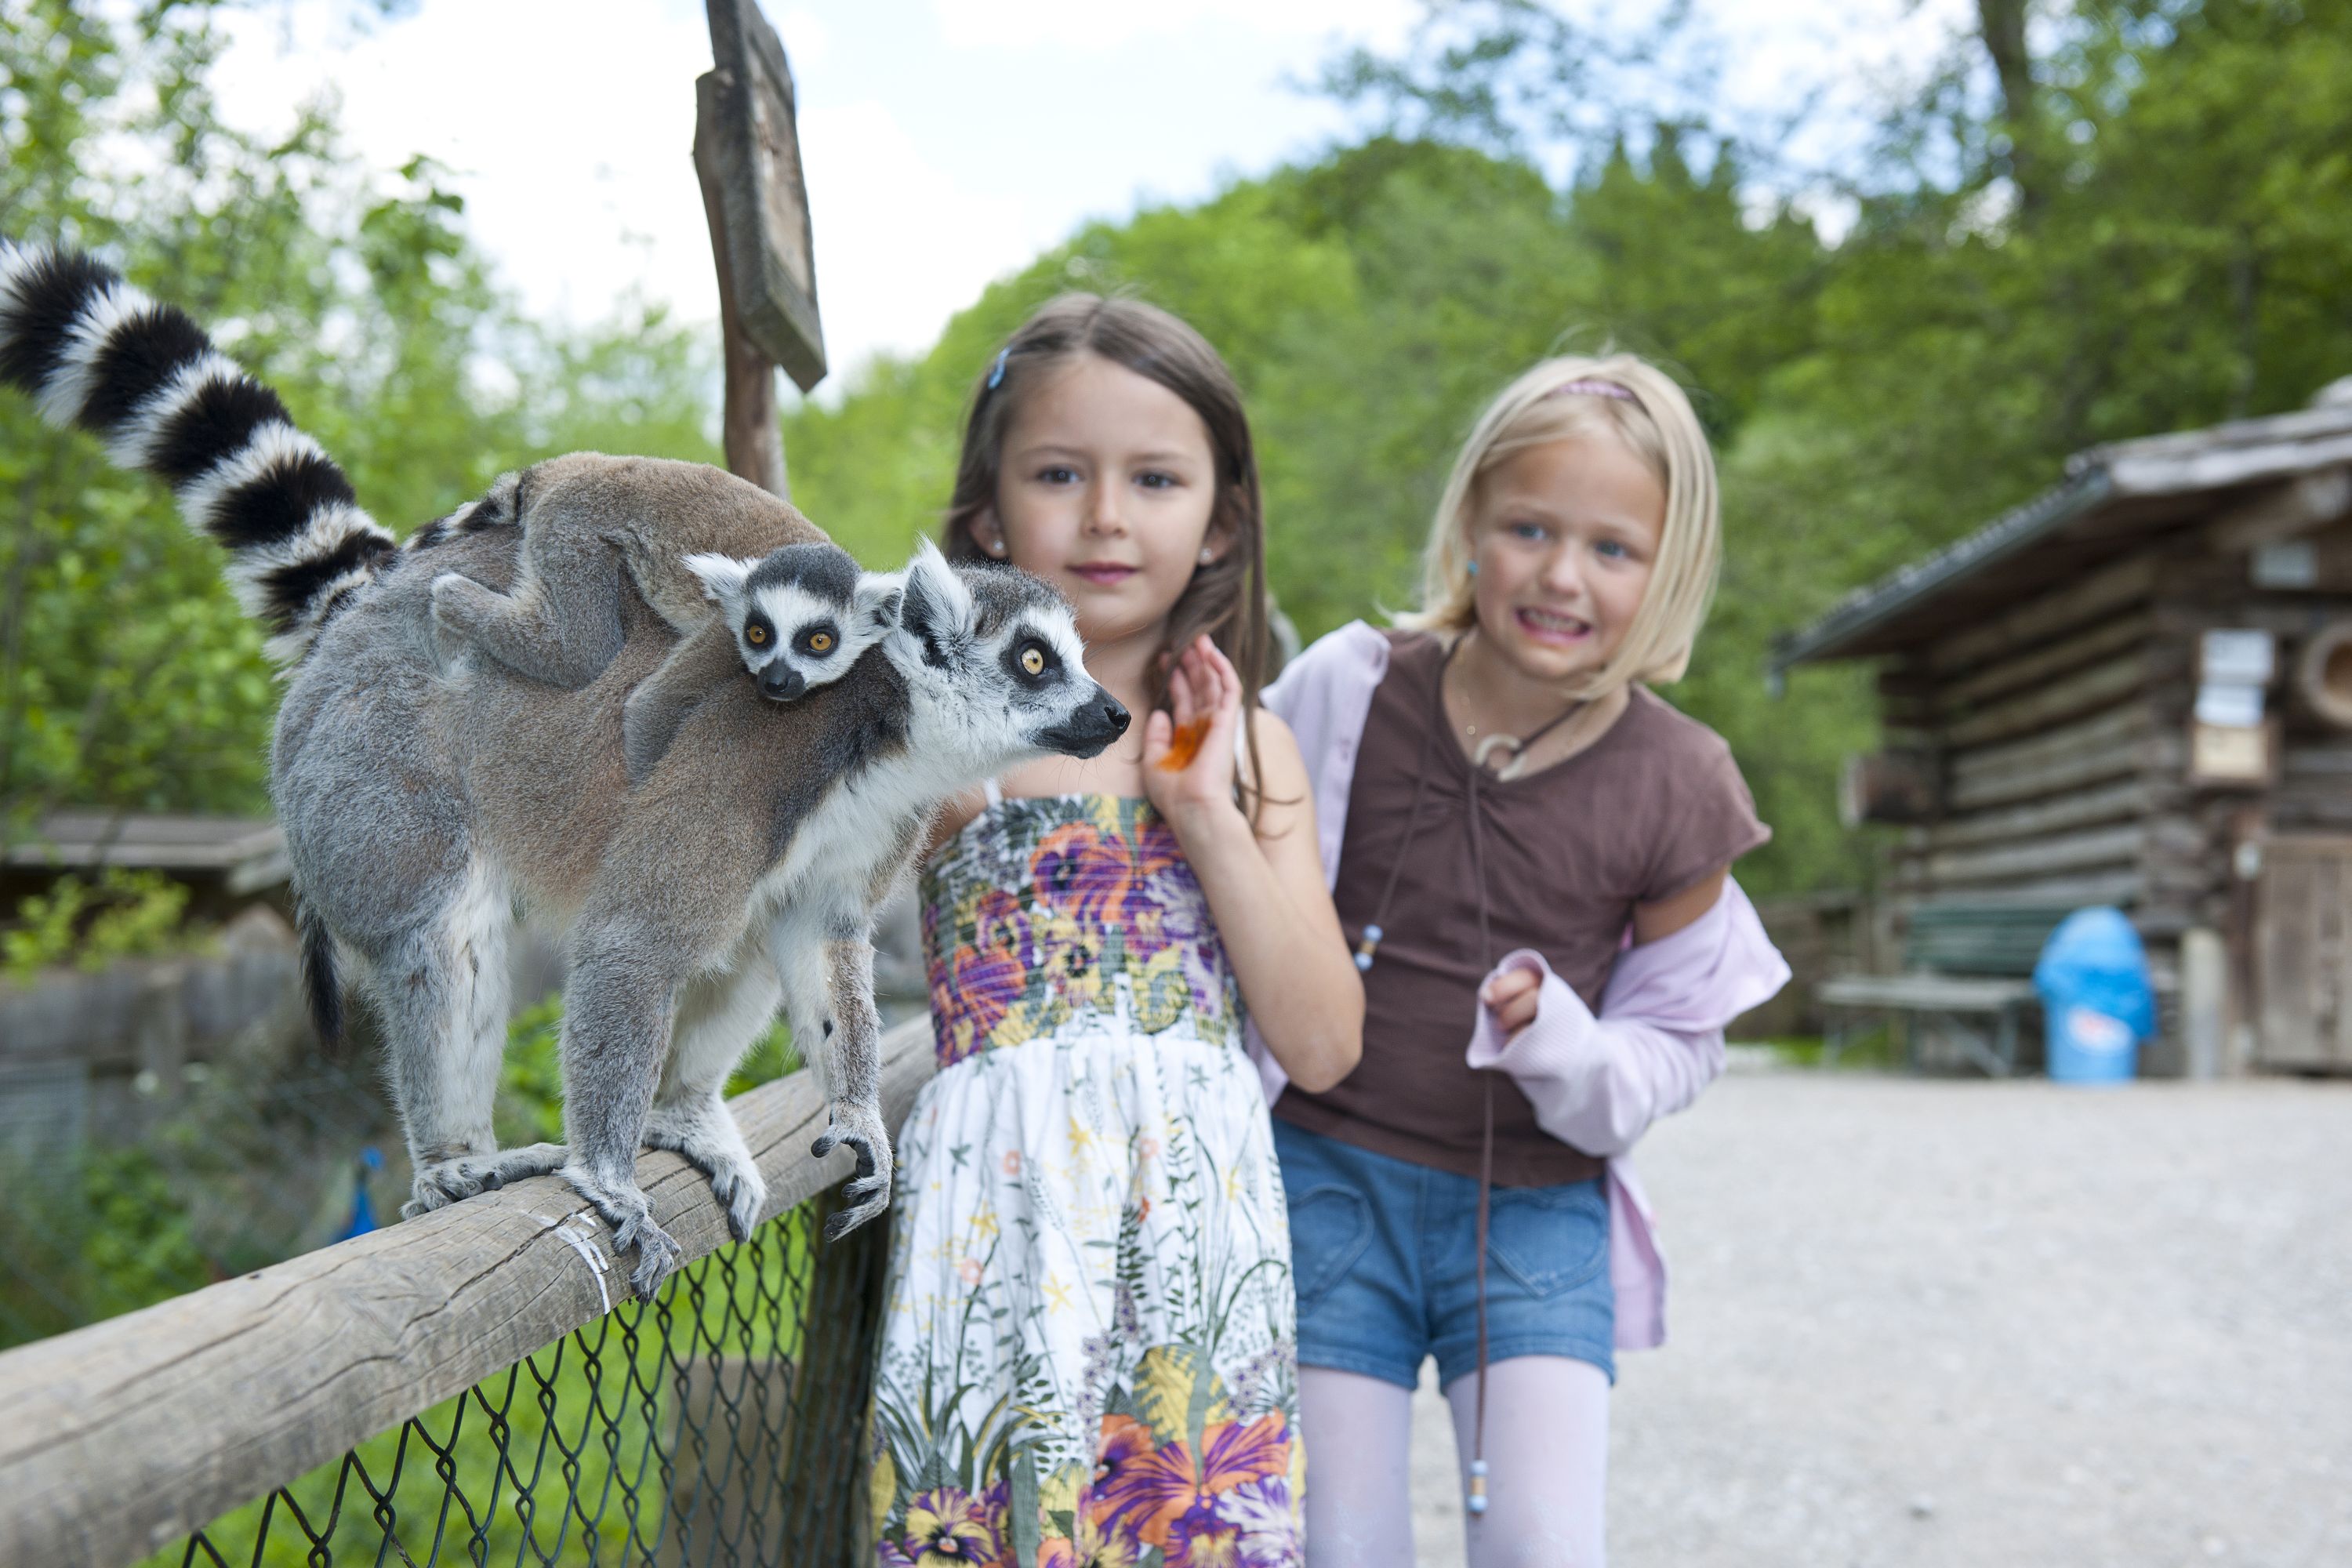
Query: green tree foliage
x=124 y=914
x=2181 y=258
x=2141 y=224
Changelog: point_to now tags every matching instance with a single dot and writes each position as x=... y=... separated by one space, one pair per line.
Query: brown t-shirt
x=1647 y=811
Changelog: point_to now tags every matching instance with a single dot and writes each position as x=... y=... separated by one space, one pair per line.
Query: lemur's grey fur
x=421 y=799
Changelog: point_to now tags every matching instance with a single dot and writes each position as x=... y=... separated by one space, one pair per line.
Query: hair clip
x=997 y=374
x=1592 y=389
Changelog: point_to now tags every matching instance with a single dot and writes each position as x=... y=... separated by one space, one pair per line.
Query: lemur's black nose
x=1114 y=714
x=780 y=682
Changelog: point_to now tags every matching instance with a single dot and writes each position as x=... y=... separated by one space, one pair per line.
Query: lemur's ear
x=722 y=576
x=878 y=600
x=936 y=609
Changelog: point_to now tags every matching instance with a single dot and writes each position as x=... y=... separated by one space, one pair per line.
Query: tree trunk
x=2002 y=26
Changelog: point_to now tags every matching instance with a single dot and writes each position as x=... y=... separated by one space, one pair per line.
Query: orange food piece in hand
x=1184 y=745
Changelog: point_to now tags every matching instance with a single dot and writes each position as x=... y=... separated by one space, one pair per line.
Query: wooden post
x=826 y=1493
x=753 y=437
x=747 y=156
x=2204 y=1002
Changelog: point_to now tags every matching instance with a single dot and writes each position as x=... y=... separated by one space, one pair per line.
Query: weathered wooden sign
x=746 y=154
x=761 y=193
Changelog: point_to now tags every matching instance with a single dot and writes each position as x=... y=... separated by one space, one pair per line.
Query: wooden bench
x=1967 y=970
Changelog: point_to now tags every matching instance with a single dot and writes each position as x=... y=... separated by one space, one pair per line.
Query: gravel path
x=1954 y=1322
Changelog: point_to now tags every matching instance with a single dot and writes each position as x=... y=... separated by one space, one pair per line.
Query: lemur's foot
x=706 y=1135
x=458 y=605
x=859 y=1127
x=442 y=1181
x=622 y=1206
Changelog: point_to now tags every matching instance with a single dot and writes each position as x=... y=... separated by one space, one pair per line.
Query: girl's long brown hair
x=1227 y=597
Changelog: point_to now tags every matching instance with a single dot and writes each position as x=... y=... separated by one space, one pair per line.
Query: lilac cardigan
x=1596 y=1082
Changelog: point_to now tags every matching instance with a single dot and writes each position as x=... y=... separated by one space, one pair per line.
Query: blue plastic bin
x=2096 y=1001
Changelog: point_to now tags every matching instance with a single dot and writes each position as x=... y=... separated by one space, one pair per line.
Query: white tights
x=1547 y=1465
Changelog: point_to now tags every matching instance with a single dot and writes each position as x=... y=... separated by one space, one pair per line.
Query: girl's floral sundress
x=1087 y=1349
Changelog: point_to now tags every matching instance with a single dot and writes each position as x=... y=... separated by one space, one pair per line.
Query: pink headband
x=1592 y=389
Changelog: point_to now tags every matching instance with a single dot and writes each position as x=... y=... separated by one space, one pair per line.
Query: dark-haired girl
x=1089 y=1352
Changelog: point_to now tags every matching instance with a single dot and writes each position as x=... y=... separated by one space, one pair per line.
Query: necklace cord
x=1485 y=1156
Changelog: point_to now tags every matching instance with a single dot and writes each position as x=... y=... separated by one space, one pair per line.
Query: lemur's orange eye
x=820 y=642
x=1033 y=660
x=757 y=636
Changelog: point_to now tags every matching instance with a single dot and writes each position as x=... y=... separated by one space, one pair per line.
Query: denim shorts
x=1385 y=1254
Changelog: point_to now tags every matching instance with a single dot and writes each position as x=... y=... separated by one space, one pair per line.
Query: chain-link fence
x=479 y=1387
x=716 y=1424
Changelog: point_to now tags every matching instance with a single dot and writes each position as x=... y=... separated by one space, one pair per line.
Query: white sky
x=945 y=141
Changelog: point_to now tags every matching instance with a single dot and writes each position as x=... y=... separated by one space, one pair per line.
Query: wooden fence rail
x=123 y=1437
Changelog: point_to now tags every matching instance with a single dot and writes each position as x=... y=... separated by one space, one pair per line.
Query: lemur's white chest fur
x=843 y=847
x=846 y=848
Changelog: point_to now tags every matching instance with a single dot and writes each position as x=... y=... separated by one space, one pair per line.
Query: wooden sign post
x=746 y=154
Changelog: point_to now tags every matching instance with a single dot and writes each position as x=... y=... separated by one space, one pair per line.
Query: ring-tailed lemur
x=421 y=800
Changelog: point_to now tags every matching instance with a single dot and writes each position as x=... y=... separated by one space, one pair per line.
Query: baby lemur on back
x=797 y=616
x=423 y=799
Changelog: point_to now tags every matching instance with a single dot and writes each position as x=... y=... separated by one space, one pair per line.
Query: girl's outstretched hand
x=1188 y=756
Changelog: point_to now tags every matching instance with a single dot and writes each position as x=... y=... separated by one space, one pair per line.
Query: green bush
x=125 y=915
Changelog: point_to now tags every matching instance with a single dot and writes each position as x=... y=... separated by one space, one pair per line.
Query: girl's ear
x=987 y=532
x=1218 y=541
x=723 y=576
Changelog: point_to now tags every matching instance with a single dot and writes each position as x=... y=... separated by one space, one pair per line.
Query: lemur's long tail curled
x=95 y=352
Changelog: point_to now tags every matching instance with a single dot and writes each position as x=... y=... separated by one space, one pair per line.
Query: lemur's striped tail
x=94 y=352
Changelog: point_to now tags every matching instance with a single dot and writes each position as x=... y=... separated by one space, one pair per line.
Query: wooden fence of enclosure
x=477 y=1385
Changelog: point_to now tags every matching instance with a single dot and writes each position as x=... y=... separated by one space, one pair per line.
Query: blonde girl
x=1088 y=1349
x=1529 y=852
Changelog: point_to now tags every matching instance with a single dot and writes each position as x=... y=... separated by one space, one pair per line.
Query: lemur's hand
x=1188 y=756
x=860 y=1129
x=1512 y=997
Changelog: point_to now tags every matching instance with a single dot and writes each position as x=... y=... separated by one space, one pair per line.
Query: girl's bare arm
x=1264 y=883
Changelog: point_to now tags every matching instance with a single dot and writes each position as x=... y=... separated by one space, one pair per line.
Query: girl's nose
x=1563 y=573
x=1102 y=510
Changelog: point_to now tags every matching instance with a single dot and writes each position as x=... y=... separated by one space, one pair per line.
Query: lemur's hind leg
x=719 y=1017
x=827 y=965
x=619 y=1011
x=441 y=987
x=562 y=625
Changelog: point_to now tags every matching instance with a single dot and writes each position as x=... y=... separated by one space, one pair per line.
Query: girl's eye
x=757 y=636
x=1033 y=659
x=1614 y=548
x=1156 y=481
x=1056 y=474
x=1528 y=531
x=820 y=642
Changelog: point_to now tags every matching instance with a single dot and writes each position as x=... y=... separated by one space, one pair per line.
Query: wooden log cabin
x=2137 y=689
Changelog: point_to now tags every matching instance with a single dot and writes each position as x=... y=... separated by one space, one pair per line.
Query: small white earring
x=1207 y=556
x=997 y=547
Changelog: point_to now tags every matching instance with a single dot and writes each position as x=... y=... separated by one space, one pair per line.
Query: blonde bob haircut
x=1657 y=425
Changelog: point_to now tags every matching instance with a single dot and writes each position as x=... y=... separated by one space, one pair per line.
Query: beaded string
x=1475 y=1501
